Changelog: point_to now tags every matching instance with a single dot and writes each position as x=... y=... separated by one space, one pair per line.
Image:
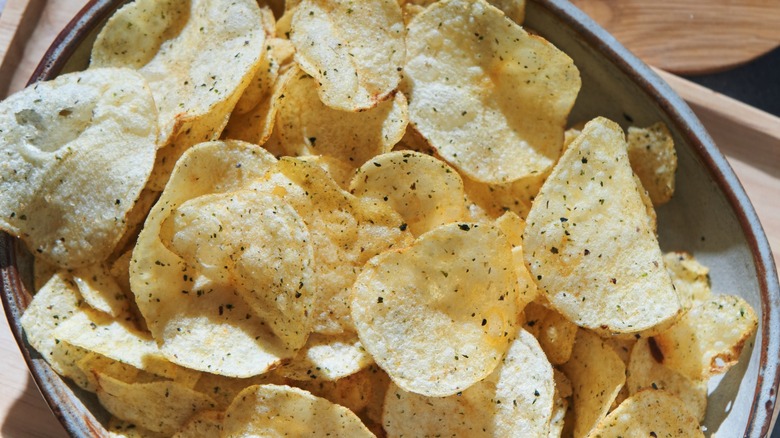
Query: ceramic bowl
x=710 y=214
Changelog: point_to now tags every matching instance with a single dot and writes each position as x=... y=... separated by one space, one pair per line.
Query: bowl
x=709 y=216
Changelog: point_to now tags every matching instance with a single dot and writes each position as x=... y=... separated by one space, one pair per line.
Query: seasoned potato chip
x=516 y=400
x=690 y=278
x=339 y=171
x=346 y=232
x=203 y=424
x=53 y=305
x=100 y=291
x=513 y=226
x=223 y=390
x=555 y=333
x=563 y=392
x=709 y=338
x=203 y=324
x=355 y=52
x=256 y=243
x=653 y=158
x=644 y=371
x=117 y=428
x=649 y=413
x=162 y=406
x=352 y=392
x=496 y=199
x=77 y=151
x=273 y=410
x=468 y=68
x=93 y=363
x=596 y=374
x=198 y=56
x=425 y=191
x=327 y=358
x=306 y=126
x=438 y=315
x=589 y=244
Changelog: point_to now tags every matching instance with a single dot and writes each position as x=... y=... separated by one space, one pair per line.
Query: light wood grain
x=17 y=22
x=690 y=36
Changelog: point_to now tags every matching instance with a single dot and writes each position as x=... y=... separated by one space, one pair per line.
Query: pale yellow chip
x=204 y=325
x=354 y=51
x=516 y=400
x=649 y=413
x=513 y=226
x=645 y=371
x=223 y=390
x=117 y=428
x=438 y=315
x=77 y=152
x=53 y=305
x=653 y=158
x=274 y=410
x=596 y=374
x=690 y=278
x=497 y=199
x=469 y=68
x=339 y=171
x=204 y=424
x=353 y=391
x=256 y=243
x=100 y=290
x=198 y=56
x=426 y=192
x=346 y=232
x=709 y=338
x=162 y=406
x=306 y=126
x=555 y=333
x=563 y=393
x=327 y=357
x=93 y=363
x=589 y=244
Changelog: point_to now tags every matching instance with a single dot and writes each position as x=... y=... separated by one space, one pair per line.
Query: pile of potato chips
x=340 y=218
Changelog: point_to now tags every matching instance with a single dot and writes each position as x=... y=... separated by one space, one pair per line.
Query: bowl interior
x=709 y=215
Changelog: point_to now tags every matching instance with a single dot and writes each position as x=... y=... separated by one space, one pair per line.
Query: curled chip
x=589 y=242
x=690 y=278
x=425 y=191
x=308 y=127
x=649 y=413
x=77 y=152
x=469 y=68
x=354 y=51
x=597 y=374
x=709 y=338
x=653 y=158
x=202 y=322
x=328 y=358
x=515 y=400
x=276 y=410
x=438 y=316
x=644 y=371
x=198 y=56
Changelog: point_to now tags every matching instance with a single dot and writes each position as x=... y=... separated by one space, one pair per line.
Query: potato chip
x=206 y=325
x=589 y=243
x=596 y=374
x=690 y=278
x=497 y=199
x=278 y=52
x=346 y=232
x=117 y=428
x=438 y=316
x=306 y=126
x=709 y=338
x=202 y=424
x=223 y=390
x=649 y=413
x=653 y=158
x=512 y=226
x=92 y=363
x=42 y=272
x=425 y=191
x=100 y=291
x=162 y=406
x=273 y=410
x=355 y=52
x=555 y=333
x=256 y=243
x=644 y=371
x=198 y=56
x=468 y=68
x=135 y=221
x=563 y=392
x=53 y=305
x=352 y=392
x=327 y=358
x=515 y=400
x=339 y=171
x=77 y=151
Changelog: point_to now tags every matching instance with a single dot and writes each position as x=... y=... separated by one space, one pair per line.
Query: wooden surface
x=690 y=36
x=749 y=138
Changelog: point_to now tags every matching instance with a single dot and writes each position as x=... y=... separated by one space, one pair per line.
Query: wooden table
x=23 y=412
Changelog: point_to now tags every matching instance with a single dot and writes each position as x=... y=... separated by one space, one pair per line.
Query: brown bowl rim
x=79 y=421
